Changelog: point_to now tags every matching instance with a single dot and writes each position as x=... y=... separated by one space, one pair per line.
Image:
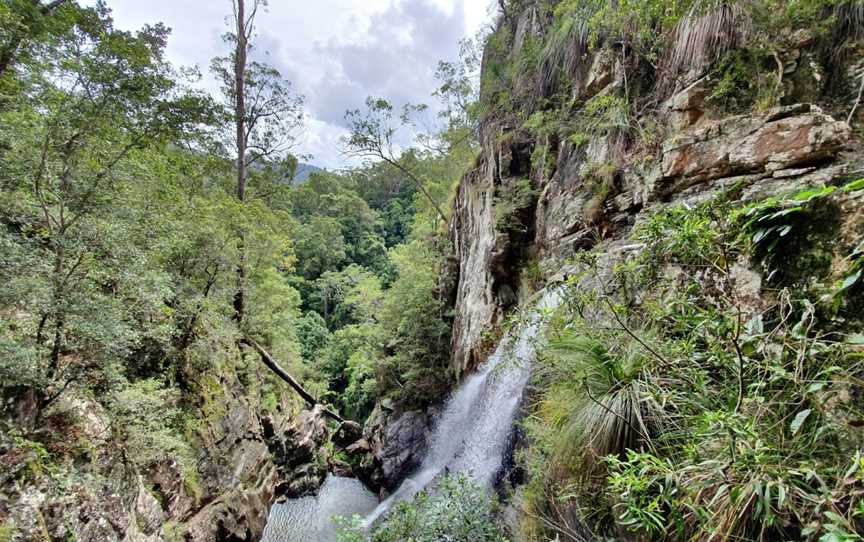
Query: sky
x=334 y=52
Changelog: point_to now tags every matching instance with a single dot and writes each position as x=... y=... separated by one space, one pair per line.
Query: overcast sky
x=335 y=52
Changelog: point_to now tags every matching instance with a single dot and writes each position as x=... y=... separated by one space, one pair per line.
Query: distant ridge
x=303 y=173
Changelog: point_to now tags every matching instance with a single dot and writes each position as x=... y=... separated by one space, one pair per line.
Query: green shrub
x=799 y=227
x=149 y=423
x=416 y=326
x=456 y=509
x=173 y=531
x=671 y=409
x=647 y=497
x=7 y=532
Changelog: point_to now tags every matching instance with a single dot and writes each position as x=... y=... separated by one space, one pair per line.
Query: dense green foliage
x=672 y=402
x=120 y=232
x=694 y=410
x=121 y=237
x=457 y=510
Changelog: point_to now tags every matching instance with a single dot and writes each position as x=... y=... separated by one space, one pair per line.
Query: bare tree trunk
x=240 y=98
x=58 y=312
x=284 y=375
x=244 y=28
x=240 y=120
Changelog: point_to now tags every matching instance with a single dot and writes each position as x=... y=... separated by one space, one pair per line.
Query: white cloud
x=479 y=12
x=336 y=52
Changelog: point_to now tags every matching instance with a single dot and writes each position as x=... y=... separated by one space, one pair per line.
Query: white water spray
x=472 y=437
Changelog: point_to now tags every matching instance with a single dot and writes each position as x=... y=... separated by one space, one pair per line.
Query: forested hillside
x=607 y=283
x=689 y=175
x=123 y=246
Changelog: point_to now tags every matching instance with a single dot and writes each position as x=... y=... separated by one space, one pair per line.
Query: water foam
x=472 y=436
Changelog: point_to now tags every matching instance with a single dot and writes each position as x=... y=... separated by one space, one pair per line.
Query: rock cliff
x=86 y=485
x=586 y=182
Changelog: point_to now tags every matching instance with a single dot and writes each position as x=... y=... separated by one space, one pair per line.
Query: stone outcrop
x=347 y=434
x=596 y=191
x=299 y=454
x=244 y=461
x=395 y=442
x=781 y=139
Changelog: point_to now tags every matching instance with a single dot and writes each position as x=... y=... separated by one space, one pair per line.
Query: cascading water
x=472 y=437
x=474 y=433
x=310 y=519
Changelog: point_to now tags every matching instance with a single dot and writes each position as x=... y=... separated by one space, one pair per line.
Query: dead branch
x=857 y=102
x=284 y=375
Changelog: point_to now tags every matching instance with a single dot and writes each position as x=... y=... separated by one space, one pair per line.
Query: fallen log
x=284 y=375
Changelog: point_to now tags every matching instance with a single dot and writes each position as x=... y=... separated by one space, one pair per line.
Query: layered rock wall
x=86 y=486
x=594 y=189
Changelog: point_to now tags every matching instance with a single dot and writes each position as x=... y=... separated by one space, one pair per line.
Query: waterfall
x=472 y=436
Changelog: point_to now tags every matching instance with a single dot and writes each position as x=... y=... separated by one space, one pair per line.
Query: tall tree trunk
x=240 y=120
x=59 y=313
x=240 y=98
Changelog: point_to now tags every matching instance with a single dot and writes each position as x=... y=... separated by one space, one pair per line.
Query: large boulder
x=396 y=441
x=347 y=434
x=300 y=454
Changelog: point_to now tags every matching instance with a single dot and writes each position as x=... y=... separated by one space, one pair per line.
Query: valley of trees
x=143 y=219
x=154 y=250
x=700 y=380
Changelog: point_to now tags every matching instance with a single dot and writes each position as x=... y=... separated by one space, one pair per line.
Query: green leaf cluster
x=671 y=407
x=457 y=509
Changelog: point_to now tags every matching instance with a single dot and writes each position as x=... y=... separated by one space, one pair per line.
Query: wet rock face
x=489 y=254
x=396 y=442
x=474 y=238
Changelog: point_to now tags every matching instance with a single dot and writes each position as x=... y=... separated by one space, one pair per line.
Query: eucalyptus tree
x=375 y=131
x=373 y=135
x=264 y=112
x=459 y=89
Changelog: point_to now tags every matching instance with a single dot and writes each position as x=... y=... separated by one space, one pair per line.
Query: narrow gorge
x=617 y=293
